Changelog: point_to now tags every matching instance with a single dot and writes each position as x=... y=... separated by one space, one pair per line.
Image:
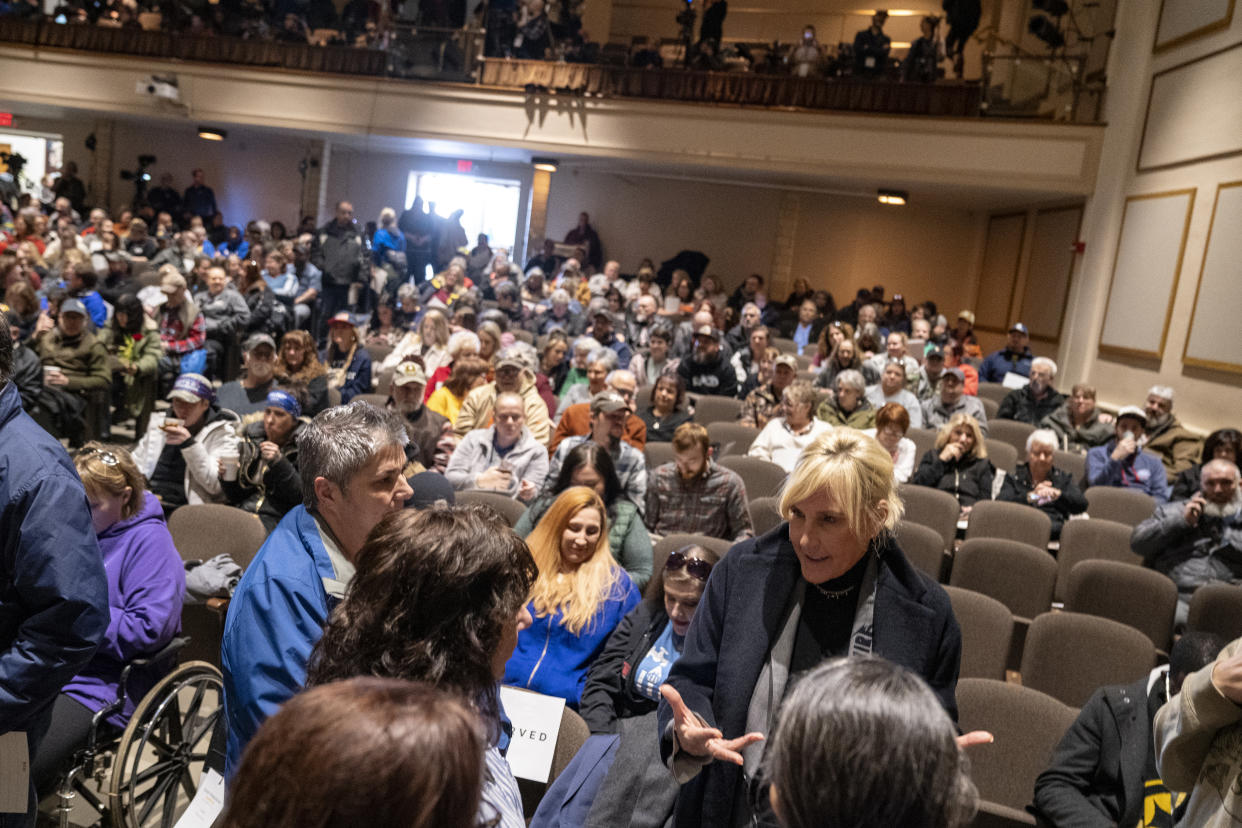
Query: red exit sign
x=6 y=119
x=465 y=166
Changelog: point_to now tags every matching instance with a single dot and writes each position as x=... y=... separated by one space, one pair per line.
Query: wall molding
x=1199 y=361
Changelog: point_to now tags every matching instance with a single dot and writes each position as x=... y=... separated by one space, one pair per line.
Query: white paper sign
x=536 y=723
x=1013 y=380
x=207 y=802
x=14 y=773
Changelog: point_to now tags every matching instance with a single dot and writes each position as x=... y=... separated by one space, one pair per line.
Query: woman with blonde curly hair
x=579 y=597
x=298 y=366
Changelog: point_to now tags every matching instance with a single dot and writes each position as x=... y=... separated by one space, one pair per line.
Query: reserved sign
x=536 y=723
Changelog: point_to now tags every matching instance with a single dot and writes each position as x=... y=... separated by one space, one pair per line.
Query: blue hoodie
x=146 y=583
x=550 y=659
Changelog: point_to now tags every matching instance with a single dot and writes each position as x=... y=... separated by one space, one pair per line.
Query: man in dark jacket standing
x=1104 y=771
x=339 y=252
x=53 y=591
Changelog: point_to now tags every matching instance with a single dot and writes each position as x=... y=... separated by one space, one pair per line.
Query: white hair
x=1164 y=392
x=560 y=296
x=1047 y=363
x=1043 y=437
x=585 y=343
x=460 y=340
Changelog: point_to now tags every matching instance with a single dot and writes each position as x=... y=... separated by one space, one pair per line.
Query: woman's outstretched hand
x=974 y=737
x=698 y=740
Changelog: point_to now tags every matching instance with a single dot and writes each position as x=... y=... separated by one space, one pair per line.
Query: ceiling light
x=891 y=12
x=895 y=198
x=212 y=133
x=544 y=164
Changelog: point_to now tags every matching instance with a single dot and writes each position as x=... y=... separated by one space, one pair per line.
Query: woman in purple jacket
x=146 y=582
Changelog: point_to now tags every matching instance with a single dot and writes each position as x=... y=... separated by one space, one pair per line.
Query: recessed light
x=544 y=164
x=212 y=133
x=896 y=198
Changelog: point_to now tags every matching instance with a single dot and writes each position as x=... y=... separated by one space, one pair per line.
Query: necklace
x=834 y=594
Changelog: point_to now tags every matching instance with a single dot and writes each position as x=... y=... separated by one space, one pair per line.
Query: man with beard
x=1035 y=401
x=248 y=395
x=609 y=413
x=1197 y=541
x=641 y=320
x=428 y=430
x=693 y=494
x=1176 y=446
x=707 y=371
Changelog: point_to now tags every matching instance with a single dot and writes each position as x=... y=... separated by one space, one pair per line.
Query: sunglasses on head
x=105 y=457
x=696 y=567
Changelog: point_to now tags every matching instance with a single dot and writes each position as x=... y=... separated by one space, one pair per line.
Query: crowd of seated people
x=411 y=389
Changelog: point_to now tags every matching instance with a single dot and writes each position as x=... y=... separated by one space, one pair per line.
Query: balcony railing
x=1051 y=88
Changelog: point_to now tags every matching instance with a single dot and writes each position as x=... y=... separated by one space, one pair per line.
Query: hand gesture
x=975 y=737
x=56 y=378
x=951 y=452
x=269 y=451
x=1194 y=509
x=526 y=490
x=176 y=435
x=1227 y=678
x=696 y=739
x=44 y=323
x=1125 y=447
x=496 y=478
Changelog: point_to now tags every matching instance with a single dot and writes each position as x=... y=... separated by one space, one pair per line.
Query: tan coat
x=476 y=410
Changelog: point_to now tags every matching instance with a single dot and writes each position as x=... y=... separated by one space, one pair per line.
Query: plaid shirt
x=176 y=339
x=712 y=504
x=760 y=405
x=630 y=464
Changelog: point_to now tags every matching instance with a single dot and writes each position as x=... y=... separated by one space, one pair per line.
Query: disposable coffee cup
x=172 y=422
x=230 y=461
x=51 y=371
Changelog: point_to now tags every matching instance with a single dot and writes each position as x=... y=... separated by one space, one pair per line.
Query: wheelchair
x=146 y=775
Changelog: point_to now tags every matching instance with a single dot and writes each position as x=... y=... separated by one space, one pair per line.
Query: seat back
x=657 y=454
x=507 y=507
x=765 y=514
x=1091 y=539
x=712 y=409
x=1027 y=725
x=733 y=438
x=1126 y=506
x=990 y=408
x=1012 y=521
x=1072 y=462
x=1021 y=577
x=994 y=391
x=1217 y=608
x=1012 y=432
x=760 y=476
x=1137 y=597
x=924 y=440
x=923 y=547
x=987 y=631
x=932 y=508
x=670 y=544
x=1069 y=655
x=334 y=397
x=203 y=530
x=569 y=740
x=1002 y=455
x=378 y=353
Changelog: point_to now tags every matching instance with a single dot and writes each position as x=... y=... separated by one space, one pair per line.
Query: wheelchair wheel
x=161 y=755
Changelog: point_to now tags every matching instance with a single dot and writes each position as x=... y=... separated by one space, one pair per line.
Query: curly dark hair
x=433 y=594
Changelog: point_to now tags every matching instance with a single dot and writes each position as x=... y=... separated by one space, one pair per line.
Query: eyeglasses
x=696 y=567
x=105 y=457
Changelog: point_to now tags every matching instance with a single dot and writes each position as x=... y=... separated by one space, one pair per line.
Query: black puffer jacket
x=969 y=479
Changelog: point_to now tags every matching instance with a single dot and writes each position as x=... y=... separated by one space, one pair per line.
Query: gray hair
x=1164 y=392
x=585 y=343
x=460 y=340
x=852 y=379
x=1043 y=437
x=560 y=296
x=1047 y=363
x=536 y=271
x=607 y=356
x=862 y=741
x=341 y=440
x=1219 y=463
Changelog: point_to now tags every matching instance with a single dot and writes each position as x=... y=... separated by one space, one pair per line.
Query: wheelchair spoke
x=163 y=748
x=204 y=729
x=158 y=769
x=157 y=793
x=170 y=806
x=172 y=719
x=195 y=703
x=187 y=782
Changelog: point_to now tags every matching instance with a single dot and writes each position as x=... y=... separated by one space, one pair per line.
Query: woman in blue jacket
x=146 y=581
x=349 y=363
x=579 y=598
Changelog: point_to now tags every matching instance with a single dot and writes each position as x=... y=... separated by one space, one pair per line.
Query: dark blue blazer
x=742 y=605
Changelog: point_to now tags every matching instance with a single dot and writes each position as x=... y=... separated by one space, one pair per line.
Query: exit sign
x=6 y=119
x=465 y=166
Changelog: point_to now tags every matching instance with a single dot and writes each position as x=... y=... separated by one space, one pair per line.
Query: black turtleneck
x=826 y=623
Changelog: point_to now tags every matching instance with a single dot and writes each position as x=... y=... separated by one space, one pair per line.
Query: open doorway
x=488 y=205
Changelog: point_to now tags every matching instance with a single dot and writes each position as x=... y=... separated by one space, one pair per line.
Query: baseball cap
x=192 y=388
x=151 y=296
x=172 y=282
x=429 y=489
x=342 y=318
x=1018 y=326
x=954 y=372
x=73 y=306
x=968 y=315
x=788 y=360
x=1133 y=411
x=255 y=340
x=608 y=402
x=934 y=352
x=705 y=330
x=409 y=372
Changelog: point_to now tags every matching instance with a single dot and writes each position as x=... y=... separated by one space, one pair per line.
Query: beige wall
x=1205 y=399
